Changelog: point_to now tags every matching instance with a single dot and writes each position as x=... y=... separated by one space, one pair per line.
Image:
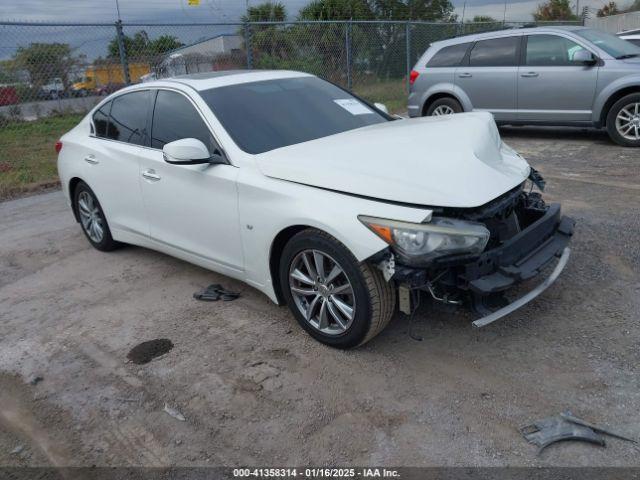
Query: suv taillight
x=58 y=146
x=412 y=76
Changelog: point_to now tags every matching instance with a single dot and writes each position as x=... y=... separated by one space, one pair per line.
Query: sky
x=92 y=41
x=214 y=10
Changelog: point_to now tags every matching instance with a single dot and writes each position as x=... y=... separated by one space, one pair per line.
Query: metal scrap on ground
x=565 y=427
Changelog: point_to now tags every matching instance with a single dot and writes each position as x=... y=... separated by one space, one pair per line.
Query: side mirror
x=381 y=106
x=189 y=151
x=585 y=57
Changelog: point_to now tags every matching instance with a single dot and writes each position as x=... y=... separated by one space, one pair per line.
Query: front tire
x=444 y=106
x=92 y=220
x=337 y=300
x=623 y=121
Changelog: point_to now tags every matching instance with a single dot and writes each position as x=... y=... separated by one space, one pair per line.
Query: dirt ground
x=256 y=390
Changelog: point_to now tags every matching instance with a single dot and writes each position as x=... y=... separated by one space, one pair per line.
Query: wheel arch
x=611 y=98
x=73 y=183
x=275 y=253
x=437 y=96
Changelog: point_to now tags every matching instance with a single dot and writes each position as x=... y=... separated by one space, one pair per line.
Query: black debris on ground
x=147 y=351
x=215 y=292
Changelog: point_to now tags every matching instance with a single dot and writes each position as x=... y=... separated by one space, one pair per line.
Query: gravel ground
x=256 y=390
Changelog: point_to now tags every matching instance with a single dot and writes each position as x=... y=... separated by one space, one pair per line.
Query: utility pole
x=118 y=10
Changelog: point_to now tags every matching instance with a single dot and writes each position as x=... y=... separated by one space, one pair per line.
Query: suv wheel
x=338 y=301
x=623 y=121
x=444 y=106
x=94 y=223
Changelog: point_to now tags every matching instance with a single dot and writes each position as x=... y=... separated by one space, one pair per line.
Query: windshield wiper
x=628 y=55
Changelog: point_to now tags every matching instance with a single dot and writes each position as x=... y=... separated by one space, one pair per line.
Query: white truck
x=54 y=89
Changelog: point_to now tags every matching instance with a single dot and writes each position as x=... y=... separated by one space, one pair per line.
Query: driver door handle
x=91 y=159
x=465 y=75
x=529 y=74
x=151 y=175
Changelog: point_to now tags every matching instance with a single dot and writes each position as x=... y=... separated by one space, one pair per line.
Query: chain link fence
x=52 y=74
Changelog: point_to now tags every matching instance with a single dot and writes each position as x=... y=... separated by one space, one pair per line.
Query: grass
x=393 y=93
x=27 y=154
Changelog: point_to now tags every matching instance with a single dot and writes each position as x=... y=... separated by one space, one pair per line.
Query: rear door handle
x=465 y=75
x=529 y=74
x=91 y=159
x=151 y=175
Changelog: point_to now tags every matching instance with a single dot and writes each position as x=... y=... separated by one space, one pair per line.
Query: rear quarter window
x=101 y=120
x=450 y=56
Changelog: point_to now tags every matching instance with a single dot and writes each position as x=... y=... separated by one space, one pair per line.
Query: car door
x=489 y=76
x=192 y=209
x=112 y=162
x=551 y=86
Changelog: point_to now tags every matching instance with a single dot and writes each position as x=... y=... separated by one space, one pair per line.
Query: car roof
x=506 y=32
x=222 y=78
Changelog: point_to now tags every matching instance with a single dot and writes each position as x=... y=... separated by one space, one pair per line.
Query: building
x=221 y=52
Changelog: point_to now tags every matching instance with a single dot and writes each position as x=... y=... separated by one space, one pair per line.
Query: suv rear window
x=496 y=52
x=450 y=56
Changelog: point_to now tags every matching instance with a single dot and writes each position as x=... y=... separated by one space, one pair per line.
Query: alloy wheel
x=90 y=217
x=322 y=292
x=443 y=110
x=628 y=121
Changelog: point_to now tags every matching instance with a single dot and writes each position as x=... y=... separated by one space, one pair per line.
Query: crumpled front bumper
x=520 y=258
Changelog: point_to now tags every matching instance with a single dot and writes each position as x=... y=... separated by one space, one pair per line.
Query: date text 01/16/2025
x=316 y=473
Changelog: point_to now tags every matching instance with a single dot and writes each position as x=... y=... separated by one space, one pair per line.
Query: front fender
x=268 y=206
x=627 y=81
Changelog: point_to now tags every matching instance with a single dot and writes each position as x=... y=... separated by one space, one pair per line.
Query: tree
x=140 y=46
x=483 y=19
x=266 y=12
x=635 y=6
x=610 y=9
x=425 y=10
x=269 y=43
x=45 y=61
x=337 y=10
x=482 y=23
x=554 y=10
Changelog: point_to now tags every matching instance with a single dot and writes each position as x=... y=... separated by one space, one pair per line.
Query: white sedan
x=313 y=196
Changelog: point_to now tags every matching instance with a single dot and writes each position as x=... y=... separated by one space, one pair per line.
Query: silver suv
x=571 y=76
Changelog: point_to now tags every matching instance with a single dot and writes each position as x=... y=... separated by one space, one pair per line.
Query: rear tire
x=444 y=106
x=623 y=121
x=92 y=220
x=371 y=299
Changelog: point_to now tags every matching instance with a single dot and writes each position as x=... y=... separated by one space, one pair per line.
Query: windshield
x=262 y=116
x=614 y=46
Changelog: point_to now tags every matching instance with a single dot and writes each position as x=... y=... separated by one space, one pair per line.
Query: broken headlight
x=418 y=243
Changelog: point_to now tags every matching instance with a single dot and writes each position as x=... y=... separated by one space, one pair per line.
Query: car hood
x=448 y=161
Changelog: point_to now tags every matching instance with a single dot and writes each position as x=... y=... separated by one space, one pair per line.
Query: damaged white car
x=313 y=196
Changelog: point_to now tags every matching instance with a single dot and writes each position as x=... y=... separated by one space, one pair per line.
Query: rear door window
x=128 y=118
x=450 y=56
x=496 y=52
x=175 y=118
